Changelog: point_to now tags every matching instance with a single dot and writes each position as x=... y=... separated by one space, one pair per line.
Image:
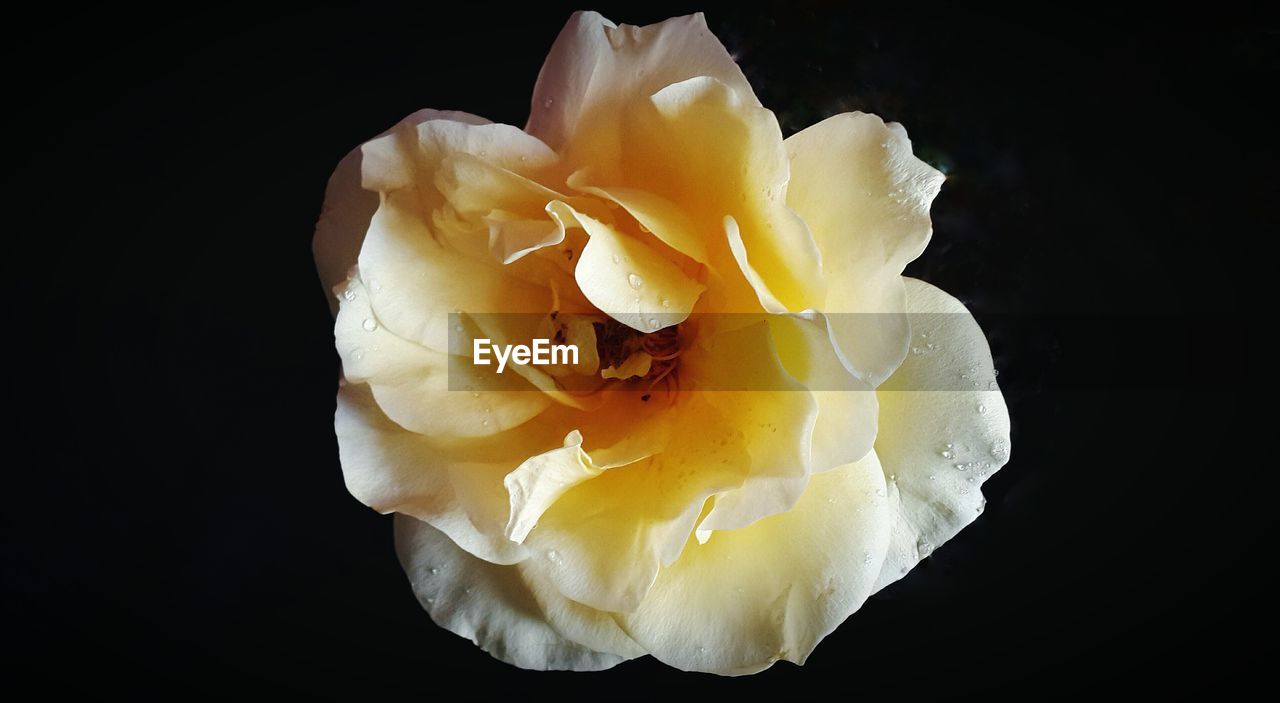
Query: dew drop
x=546 y=104
x=893 y=477
x=434 y=570
x=950 y=445
x=616 y=260
x=946 y=454
x=634 y=280
x=484 y=422
x=962 y=467
x=358 y=354
x=370 y=325
x=866 y=557
x=653 y=324
x=982 y=410
x=991 y=386
x=970 y=479
x=475 y=394
x=932 y=477
x=880 y=492
x=644 y=229
x=524 y=158
x=430 y=600
x=349 y=295
x=666 y=303
x=924 y=548
x=916 y=351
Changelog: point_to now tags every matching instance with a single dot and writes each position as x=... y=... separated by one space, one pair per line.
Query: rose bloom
x=714 y=488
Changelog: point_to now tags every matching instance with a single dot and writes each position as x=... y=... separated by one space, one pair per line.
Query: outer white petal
x=412 y=383
x=866 y=199
x=495 y=607
x=596 y=67
x=773 y=590
x=391 y=469
x=348 y=207
x=939 y=444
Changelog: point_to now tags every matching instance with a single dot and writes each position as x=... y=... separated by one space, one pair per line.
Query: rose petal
x=866 y=199
x=412 y=383
x=604 y=540
x=417 y=276
x=596 y=68
x=774 y=416
x=938 y=442
x=772 y=590
x=391 y=469
x=629 y=281
x=496 y=607
x=348 y=207
x=540 y=480
x=847 y=410
x=699 y=136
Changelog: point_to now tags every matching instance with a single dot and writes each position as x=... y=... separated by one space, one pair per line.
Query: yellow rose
x=749 y=449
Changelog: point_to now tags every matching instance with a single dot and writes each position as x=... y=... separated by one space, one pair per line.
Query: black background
x=175 y=518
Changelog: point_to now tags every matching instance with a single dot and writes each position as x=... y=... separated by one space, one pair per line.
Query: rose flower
x=764 y=425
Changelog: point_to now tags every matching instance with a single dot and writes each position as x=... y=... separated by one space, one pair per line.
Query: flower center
x=618 y=344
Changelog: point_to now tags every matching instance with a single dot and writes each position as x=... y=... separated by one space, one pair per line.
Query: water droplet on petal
x=962 y=467
x=634 y=280
x=370 y=325
x=349 y=295
x=666 y=303
x=932 y=477
x=358 y=354
x=915 y=350
x=946 y=454
x=434 y=570
x=982 y=409
x=546 y=104
x=616 y=260
x=880 y=492
x=653 y=324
